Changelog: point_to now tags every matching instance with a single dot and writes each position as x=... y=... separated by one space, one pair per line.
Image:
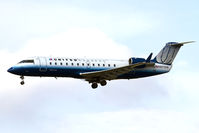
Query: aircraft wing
x=112 y=73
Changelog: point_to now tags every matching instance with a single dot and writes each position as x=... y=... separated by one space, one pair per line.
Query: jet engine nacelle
x=136 y=60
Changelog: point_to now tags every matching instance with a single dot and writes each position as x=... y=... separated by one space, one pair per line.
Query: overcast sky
x=112 y=29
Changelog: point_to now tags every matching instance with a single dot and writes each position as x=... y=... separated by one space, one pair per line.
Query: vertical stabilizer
x=169 y=52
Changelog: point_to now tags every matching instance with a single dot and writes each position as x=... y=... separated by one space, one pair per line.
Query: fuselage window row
x=83 y=64
x=62 y=59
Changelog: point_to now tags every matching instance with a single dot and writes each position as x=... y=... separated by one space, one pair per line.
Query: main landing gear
x=94 y=85
x=22 y=80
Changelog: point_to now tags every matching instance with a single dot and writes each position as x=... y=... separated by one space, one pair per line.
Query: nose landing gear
x=22 y=82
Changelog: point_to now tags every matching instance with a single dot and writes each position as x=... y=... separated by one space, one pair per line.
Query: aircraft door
x=42 y=64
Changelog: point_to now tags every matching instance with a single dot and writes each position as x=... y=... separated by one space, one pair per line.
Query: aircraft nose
x=10 y=70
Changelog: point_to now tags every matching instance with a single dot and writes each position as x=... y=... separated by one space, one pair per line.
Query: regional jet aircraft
x=98 y=71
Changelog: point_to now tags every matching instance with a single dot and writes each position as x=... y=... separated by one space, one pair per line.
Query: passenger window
x=82 y=64
x=61 y=63
x=72 y=64
x=114 y=65
x=50 y=63
x=77 y=64
x=55 y=63
x=103 y=65
x=98 y=64
x=59 y=59
x=66 y=64
x=109 y=65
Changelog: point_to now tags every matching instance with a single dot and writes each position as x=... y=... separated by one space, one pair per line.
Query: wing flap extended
x=112 y=73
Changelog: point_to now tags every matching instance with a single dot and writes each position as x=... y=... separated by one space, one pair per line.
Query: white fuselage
x=72 y=67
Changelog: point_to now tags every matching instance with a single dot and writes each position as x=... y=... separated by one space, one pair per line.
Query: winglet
x=149 y=58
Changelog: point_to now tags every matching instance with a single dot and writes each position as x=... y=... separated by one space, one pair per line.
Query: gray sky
x=99 y=29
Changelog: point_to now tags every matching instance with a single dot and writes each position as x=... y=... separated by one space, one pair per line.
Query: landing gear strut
x=22 y=82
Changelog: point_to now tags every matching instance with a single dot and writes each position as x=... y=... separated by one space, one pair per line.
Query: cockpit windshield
x=26 y=61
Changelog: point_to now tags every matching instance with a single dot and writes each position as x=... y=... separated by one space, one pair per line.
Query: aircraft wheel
x=103 y=82
x=22 y=82
x=94 y=85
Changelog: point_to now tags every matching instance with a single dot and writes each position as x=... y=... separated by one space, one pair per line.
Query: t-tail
x=169 y=52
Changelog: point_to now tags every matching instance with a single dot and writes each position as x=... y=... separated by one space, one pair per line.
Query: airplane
x=99 y=71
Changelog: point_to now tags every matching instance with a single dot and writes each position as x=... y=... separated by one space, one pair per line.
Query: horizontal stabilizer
x=181 y=43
